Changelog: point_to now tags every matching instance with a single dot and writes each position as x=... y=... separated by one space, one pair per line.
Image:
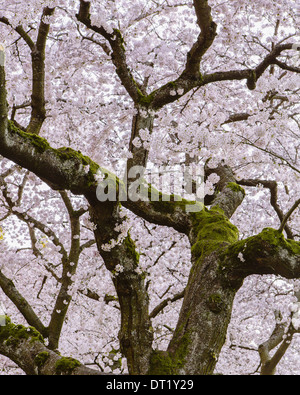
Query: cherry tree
x=91 y=91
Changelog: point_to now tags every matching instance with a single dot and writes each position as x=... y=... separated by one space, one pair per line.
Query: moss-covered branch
x=266 y=253
x=25 y=346
x=62 y=168
x=220 y=264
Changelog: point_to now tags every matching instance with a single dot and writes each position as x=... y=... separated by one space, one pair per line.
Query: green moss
x=215 y=298
x=118 y=34
x=41 y=359
x=168 y=204
x=67 y=153
x=66 y=365
x=211 y=359
x=64 y=153
x=145 y=100
x=162 y=363
x=235 y=187
x=212 y=230
x=276 y=239
x=131 y=247
x=166 y=363
x=39 y=143
x=266 y=242
x=12 y=334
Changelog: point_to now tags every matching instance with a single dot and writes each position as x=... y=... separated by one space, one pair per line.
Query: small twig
x=165 y=302
x=288 y=214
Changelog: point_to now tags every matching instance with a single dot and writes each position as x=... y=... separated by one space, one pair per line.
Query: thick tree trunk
x=203 y=321
x=135 y=333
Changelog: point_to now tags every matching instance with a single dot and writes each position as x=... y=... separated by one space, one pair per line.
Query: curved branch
x=266 y=253
x=288 y=214
x=21 y=303
x=272 y=186
x=25 y=346
x=118 y=56
x=165 y=302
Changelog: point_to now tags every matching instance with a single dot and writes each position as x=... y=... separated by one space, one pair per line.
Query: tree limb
x=279 y=335
x=272 y=186
x=21 y=303
x=38 y=113
x=25 y=346
x=288 y=214
x=118 y=55
x=266 y=253
x=164 y=303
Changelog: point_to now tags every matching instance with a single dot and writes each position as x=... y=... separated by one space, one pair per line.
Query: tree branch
x=272 y=186
x=251 y=75
x=266 y=253
x=69 y=264
x=205 y=39
x=118 y=55
x=38 y=113
x=25 y=346
x=288 y=214
x=228 y=194
x=25 y=217
x=279 y=335
x=20 y=30
x=164 y=303
x=21 y=303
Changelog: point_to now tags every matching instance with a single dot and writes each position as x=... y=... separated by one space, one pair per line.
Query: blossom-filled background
x=204 y=83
